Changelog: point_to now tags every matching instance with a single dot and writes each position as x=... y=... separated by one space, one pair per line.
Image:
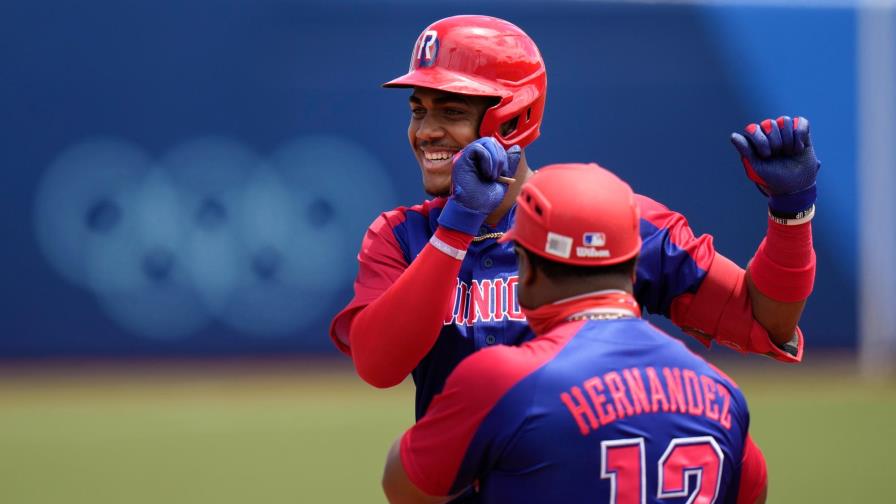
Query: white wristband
x=800 y=218
x=447 y=249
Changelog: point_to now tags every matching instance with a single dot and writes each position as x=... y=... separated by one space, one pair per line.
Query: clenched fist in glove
x=475 y=190
x=778 y=156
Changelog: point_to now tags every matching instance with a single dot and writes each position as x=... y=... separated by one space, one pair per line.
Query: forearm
x=753 y=475
x=721 y=310
x=778 y=318
x=780 y=278
x=778 y=156
x=396 y=484
x=391 y=335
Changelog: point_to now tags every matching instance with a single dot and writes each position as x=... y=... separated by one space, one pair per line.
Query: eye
x=418 y=112
x=453 y=112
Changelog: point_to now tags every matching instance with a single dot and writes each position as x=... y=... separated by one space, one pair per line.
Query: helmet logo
x=594 y=239
x=427 y=49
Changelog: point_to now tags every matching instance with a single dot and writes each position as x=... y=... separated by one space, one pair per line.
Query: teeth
x=437 y=156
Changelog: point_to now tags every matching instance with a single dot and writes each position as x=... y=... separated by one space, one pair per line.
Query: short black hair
x=561 y=271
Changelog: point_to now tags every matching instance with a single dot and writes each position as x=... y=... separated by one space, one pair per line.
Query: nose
x=428 y=129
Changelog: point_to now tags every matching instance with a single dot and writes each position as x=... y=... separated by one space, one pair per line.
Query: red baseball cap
x=578 y=214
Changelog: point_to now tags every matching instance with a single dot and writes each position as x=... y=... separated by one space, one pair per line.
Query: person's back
x=600 y=406
x=620 y=412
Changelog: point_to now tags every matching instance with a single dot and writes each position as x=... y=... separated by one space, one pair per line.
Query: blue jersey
x=593 y=411
x=672 y=266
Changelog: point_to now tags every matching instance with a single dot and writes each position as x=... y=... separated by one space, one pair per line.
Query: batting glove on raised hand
x=475 y=190
x=778 y=156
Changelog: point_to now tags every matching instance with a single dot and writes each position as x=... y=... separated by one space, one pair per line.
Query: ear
x=527 y=272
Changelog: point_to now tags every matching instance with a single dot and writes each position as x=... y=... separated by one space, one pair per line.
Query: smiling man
x=434 y=285
x=441 y=125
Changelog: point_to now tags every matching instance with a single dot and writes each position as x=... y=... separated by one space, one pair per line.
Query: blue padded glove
x=778 y=156
x=475 y=191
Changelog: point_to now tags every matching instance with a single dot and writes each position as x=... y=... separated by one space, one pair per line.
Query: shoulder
x=675 y=349
x=397 y=217
x=400 y=218
x=737 y=395
x=492 y=372
x=647 y=204
x=658 y=214
x=707 y=368
x=497 y=368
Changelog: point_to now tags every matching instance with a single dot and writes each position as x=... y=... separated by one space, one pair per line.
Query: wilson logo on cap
x=591 y=252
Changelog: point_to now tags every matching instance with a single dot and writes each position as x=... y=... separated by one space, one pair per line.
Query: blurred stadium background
x=186 y=185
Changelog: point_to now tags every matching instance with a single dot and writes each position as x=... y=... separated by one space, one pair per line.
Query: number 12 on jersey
x=622 y=462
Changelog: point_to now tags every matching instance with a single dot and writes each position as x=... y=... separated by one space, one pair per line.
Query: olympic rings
x=211 y=231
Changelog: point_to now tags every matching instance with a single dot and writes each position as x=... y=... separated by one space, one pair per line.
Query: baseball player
x=600 y=406
x=434 y=285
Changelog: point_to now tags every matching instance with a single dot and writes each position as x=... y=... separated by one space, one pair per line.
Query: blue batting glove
x=778 y=156
x=475 y=190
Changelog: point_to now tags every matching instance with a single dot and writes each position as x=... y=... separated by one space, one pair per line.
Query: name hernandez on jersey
x=507 y=419
x=679 y=275
x=615 y=395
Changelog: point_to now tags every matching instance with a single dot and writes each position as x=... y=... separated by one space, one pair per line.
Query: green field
x=297 y=432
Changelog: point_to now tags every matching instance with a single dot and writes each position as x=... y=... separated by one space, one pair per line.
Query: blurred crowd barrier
x=194 y=178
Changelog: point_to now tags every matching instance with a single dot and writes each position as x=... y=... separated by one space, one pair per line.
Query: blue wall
x=145 y=141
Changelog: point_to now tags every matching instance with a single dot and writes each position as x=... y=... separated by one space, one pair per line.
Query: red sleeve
x=434 y=448
x=439 y=453
x=783 y=267
x=380 y=263
x=721 y=309
x=698 y=249
x=753 y=474
x=398 y=310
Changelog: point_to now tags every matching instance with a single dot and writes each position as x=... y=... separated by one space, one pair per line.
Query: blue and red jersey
x=453 y=310
x=592 y=411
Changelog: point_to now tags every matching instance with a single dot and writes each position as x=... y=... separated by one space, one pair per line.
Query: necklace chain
x=486 y=236
x=599 y=316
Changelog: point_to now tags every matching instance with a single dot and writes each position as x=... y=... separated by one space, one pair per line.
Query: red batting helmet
x=577 y=214
x=483 y=56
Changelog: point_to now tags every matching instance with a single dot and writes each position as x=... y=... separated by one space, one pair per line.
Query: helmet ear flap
x=523 y=111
